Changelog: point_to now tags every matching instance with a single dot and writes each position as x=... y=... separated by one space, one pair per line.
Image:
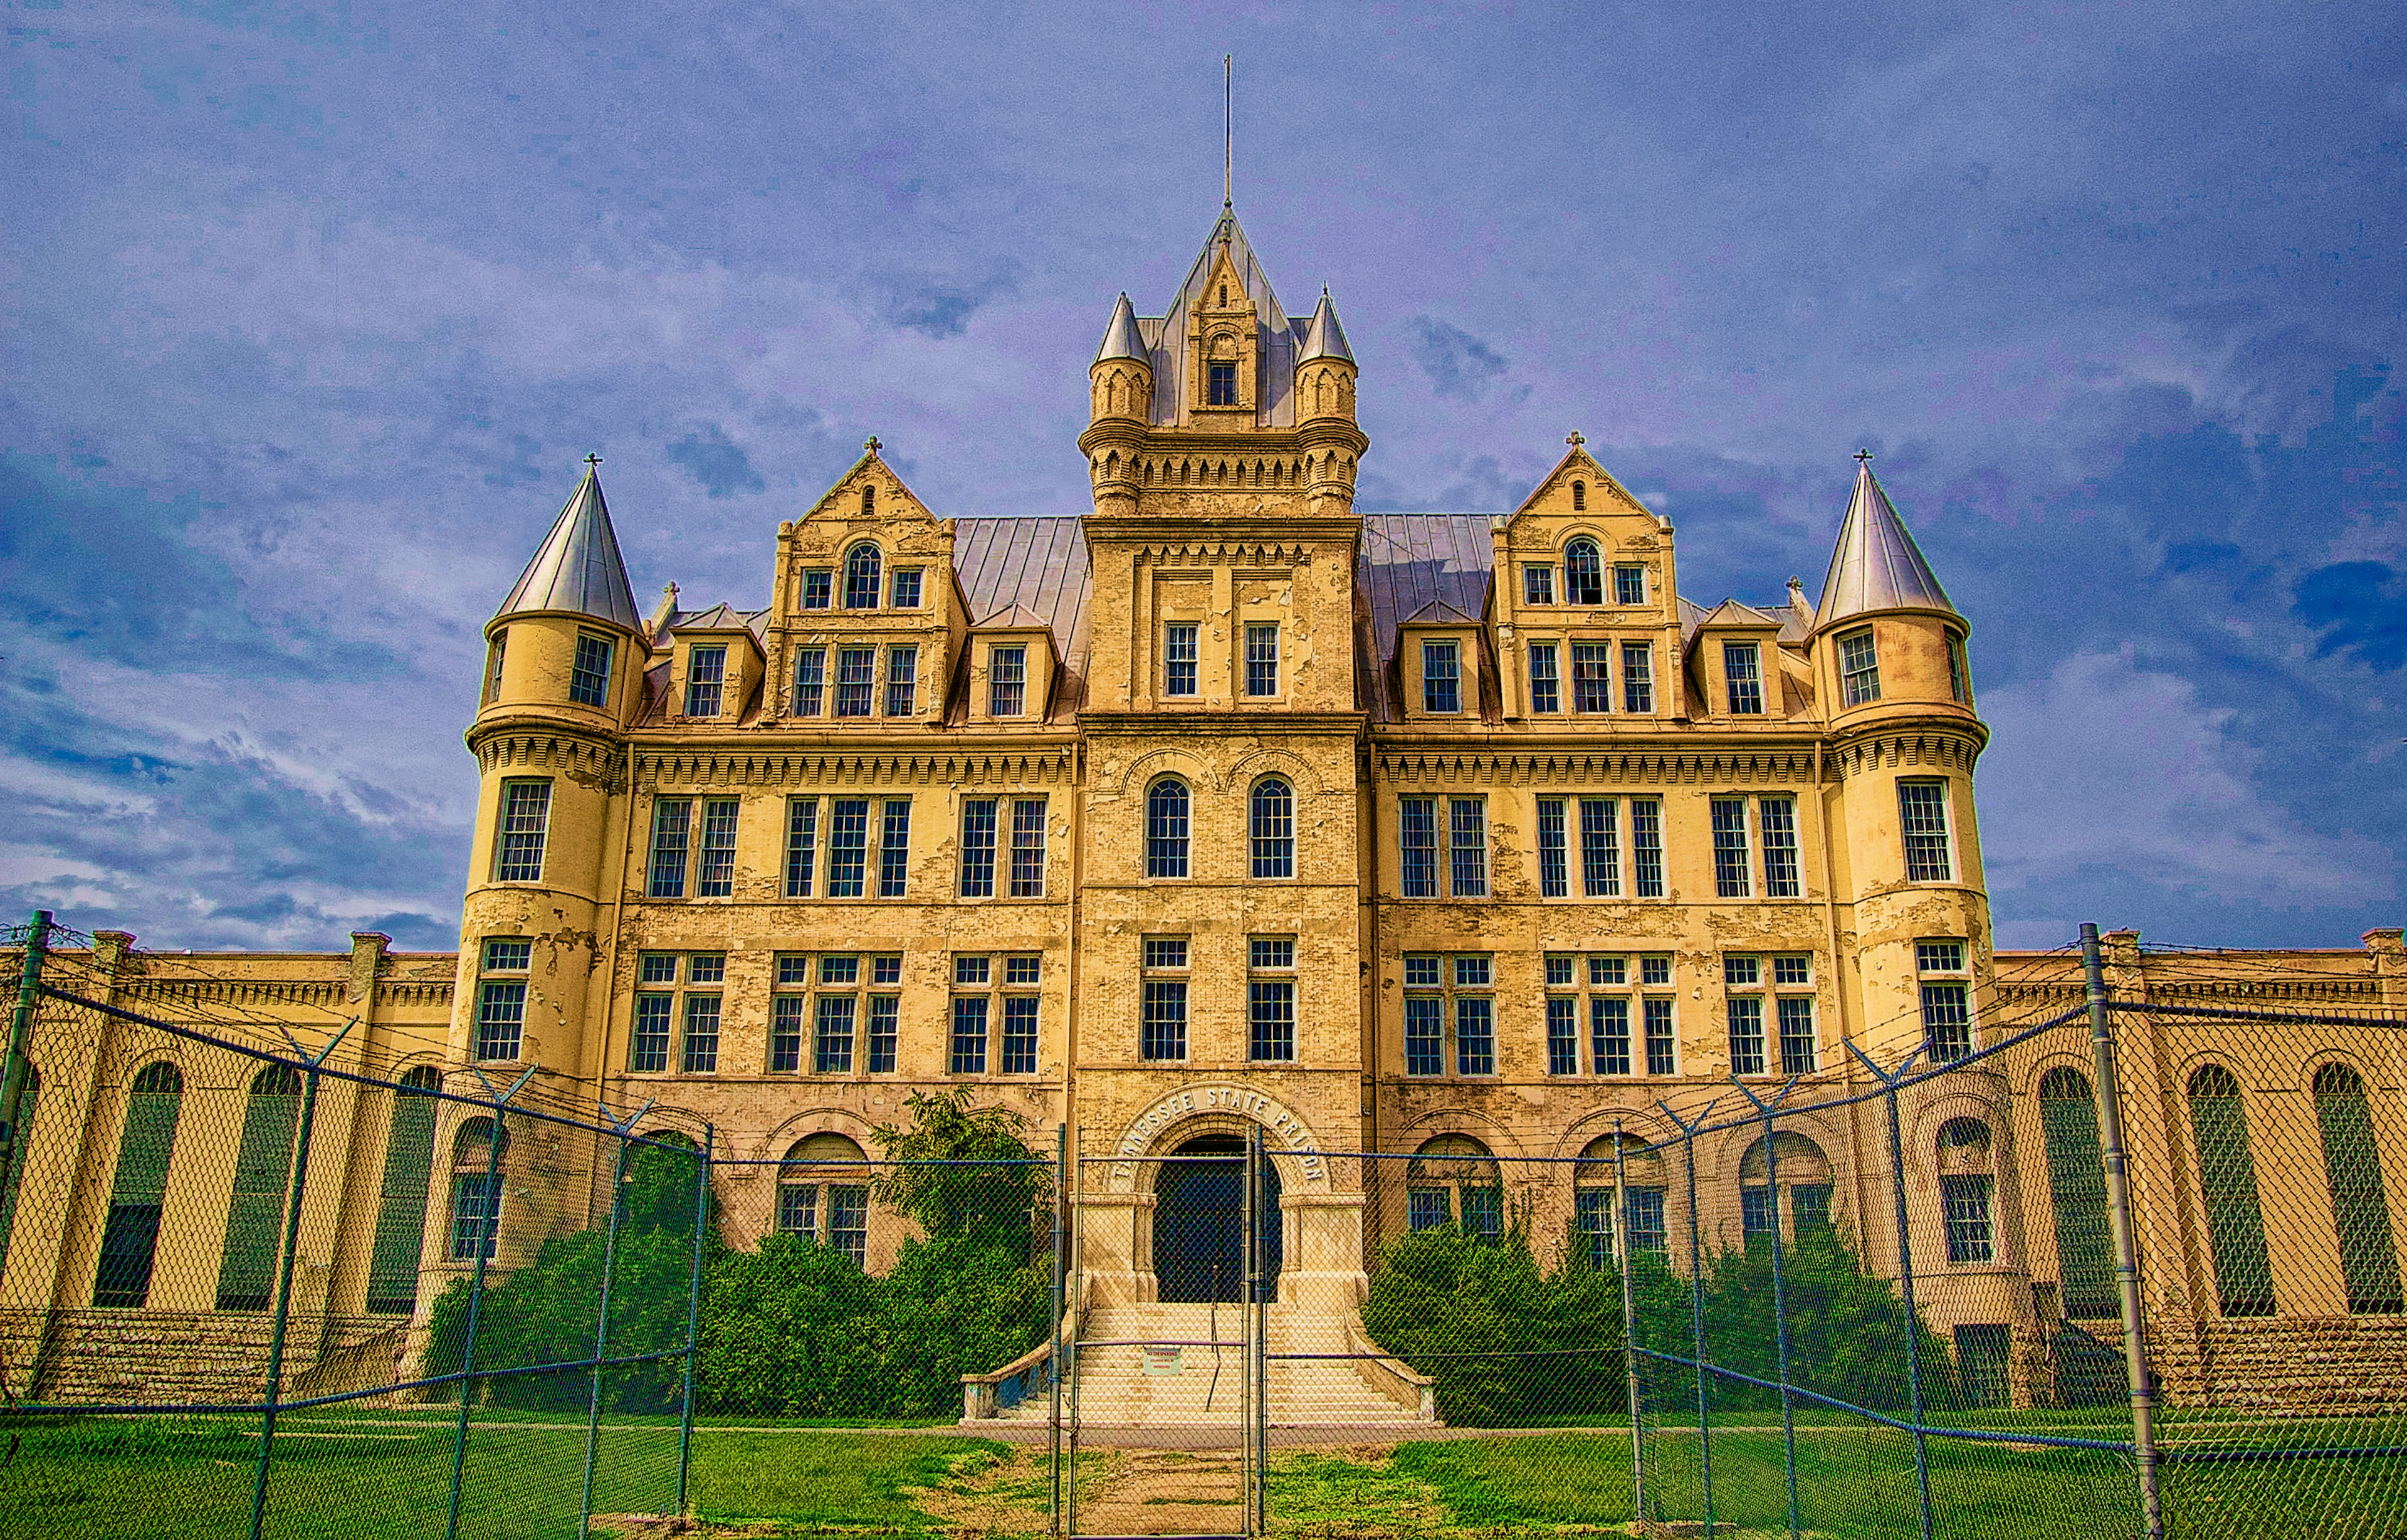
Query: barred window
x=1261 y=660
x=1441 y=677
x=861 y=574
x=1554 y=867
x=255 y=1208
x=1467 y=847
x=1858 y=668
x=1583 y=574
x=1637 y=677
x=847 y=853
x=902 y=681
x=401 y=1202
x=1646 y=847
x=589 y=676
x=978 y=846
x=1416 y=837
x=1178 y=660
x=2226 y=1174
x=1272 y=815
x=1777 y=819
x=1162 y=1032
x=715 y=877
x=810 y=679
x=802 y=845
x=905 y=588
x=1600 y=849
x=1270 y=998
x=894 y=848
x=2361 y=1208
x=1629 y=584
x=526 y=814
x=1922 y=816
x=1546 y=679
x=1591 y=678
x=705 y=680
x=1006 y=681
x=1165 y=828
x=1743 y=668
x=856 y=681
x=1537 y=583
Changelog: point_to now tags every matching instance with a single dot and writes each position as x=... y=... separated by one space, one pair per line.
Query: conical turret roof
x=577 y=568
x=1121 y=339
x=1325 y=337
x=1876 y=564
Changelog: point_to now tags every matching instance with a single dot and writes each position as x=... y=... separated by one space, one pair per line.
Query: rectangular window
x=1746 y=1034
x=819 y=589
x=1164 y=1031
x=494 y=656
x=1660 y=1055
x=1262 y=661
x=1612 y=971
x=1441 y=677
x=1939 y=957
x=1546 y=679
x=1416 y=833
x=1467 y=847
x=1474 y=1034
x=1777 y=817
x=1959 y=677
x=1730 y=847
x=1756 y=1217
x=649 y=1051
x=906 y=584
x=1178 y=660
x=1637 y=677
x=810 y=679
x=1537 y=584
x=1028 y=848
x=1007 y=678
x=847 y=853
x=1220 y=384
x=1647 y=1231
x=1609 y=1033
x=1424 y=1035
x=1792 y=968
x=1630 y=585
x=1429 y=1208
x=1165 y=951
x=1562 y=1034
x=848 y=1221
x=802 y=845
x=832 y=1039
x=785 y=1032
x=902 y=681
x=1922 y=816
x=705 y=678
x=671 y=832
x=1858 y=668
x=501 y=1014
x=1946 y=1021
x=856 y=681
x=884 y=1019
x=1554 y=873
x=1965 y=1201
x=715 y=877
x=1809 y=1206
x=1483 y=1212
x=1646 y=847
x=894 y=848
x=588 y=678
x=701 y=1056
x=968 y=1035
x=1797 y=1052
x=475 y=1215
x=977 y=848
x=1270 y=1009
x=1591 y=678
x=1743 y=667
x=1600 y=849
x=1020 y=1034
x=526 y=814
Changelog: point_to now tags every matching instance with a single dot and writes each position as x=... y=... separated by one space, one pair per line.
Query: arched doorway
x=1199 y=1207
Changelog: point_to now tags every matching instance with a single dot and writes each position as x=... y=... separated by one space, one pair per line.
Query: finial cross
x=1864 y=456
x=871 y=444
x=593 y=460
x=1576 y=439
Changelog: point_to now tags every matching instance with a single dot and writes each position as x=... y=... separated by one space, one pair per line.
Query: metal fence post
x=1889 y=1080
x=1779 y=1303
x=694 y=1310
x=13 y=1072
x=488 y=1236
x=1061 y=1237
x=1076 y=1287
x=1697 y=1321
x=602 y=1321
x=1629 y=1327
x=293 y=1188
x=1249 y=1400
x=2127 y=1257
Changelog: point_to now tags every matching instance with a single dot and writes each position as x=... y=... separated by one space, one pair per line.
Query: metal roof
x=577 y=568
x=1278 y=336
x=1410 y=562
x=1036 y=563
x=1876 y=564
x=1121 y=339
x=1325 y=337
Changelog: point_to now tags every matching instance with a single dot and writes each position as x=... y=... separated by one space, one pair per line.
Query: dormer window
x=1583 y=574
x=706 y=680
x=1858 y=668
x=1008 y=682
x=819 y=589
x=1743 y=669
x=861 y=573
x=1221 y=384
x=1442 y=677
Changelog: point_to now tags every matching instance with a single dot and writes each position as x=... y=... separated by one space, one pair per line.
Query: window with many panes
x=695 y=834
x=894 y=848
x=1554 y=864
x=1591 y=678
x=905 y=588
x=1028 y=848
x=856 y=681
x=978 y=834
x=1453 y=1174
x=1179 y=659
x=1270 y=998
x=1583 y=574
x=1964 y=1201
x=1858 y=668
x=835 y=1012
x=1742 y=672
x=902 y=681
x=1771 y=1006
x=1165 y=828
x=1261 y=660
x=982 y=832
x=819 y=588
x=1270 y=819
x=1546 y=677
x=705 y=680
x=1466 y=847
x=1442 y=677
x=1162 y=1024
x=1220 y=384
x=995 y=1004
x=1922 y=819
x=810 y=680
x=1945 y=977
x=802 y=846
x=676 y=1018
x=1449 y=995
x=1637 y=677
x=525 y=818
x=1730 y=864
x=1776 y=821
x=1443 y=833
x=861 y=573
x=1629 y=584
x=589 y=676
x=1537 y=583
x=501 y=997
x=1007 y=688
x=1615 y=1009
x=830 y=849
x=823 y=1194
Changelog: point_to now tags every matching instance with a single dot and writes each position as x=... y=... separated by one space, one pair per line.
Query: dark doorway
x=1199 y=1222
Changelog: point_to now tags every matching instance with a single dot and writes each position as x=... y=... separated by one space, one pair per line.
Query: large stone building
x=1225 y=806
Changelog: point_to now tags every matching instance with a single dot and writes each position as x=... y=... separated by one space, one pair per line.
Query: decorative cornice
x=1437 y=765
x=733 y=771
x=1948 y=748
x=570 y=753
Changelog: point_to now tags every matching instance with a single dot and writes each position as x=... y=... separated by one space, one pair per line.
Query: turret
x=1122 y=379
x=1886 y=641
x=564 y=643
x=1324 y=410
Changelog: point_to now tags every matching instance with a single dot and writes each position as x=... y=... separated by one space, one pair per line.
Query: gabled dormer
x=1735 y=666
x=1012 y=664
x=1440 y=665
x=1224 y=385
x=716 y=667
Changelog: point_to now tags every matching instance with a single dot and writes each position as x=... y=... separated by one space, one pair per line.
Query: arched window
x=1452 y=1178
x=1583 y=574
x=26 y=1103
x=129 y=1242
x=477 y=1176
x=2076 y=1181
x=1273 y=821
x=823 y=1194
x=2227 y=1179
x=869 y=502
x=862 y=565
x=1804 y=1189
x=1966 y=1183
x=401 y=1205
x=2368 y=1262
x=1165 y=828
x=1579 y=496
x=1642 y=1173
x=263 y=1167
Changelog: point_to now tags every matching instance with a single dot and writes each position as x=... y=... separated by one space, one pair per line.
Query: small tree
x=1507 y=1342
x=960 y=1170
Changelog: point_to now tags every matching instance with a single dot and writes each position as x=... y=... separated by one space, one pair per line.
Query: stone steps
x=1115 y=1388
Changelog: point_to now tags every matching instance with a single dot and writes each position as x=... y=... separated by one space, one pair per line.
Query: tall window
x=1947 y=999
x=1774 y=991
x=1583 y=574
x=847 y=846
x=705 y=680
x=1165 y=828
x=1028 y=848
x=1776 y=818
x=1454 y=992
x=1416 y=841
x=2368 y=1259
x=1553 y=865
x=1261 y=660
x=1591 y=678
x=2227 y=1177
x=1642 y=1173
x=1637 y=677
x=1600 y=847
x=1965 y=1185
x=1747 y=1056
x=1858 y=668
x=1959 y=676
x=263 y=1166
x=1537 y=583
x=715 y=869
x=902 y=681
x=861 y=574
x=588 y=678
x=1006 y=681
x=972 y=1012
x=823 y=1194
x=1922 y=815
x=1006 y=990
x=476 y=1182
x=2076 y=1179
x=656 y=1013
x=698 y=1046
x=1221 y=384
x=978 y=846
x=822 y=998
x=856 y=681
x=1743 y=669
x=802 y=846
x=1179 y=659
x=146 y=1147
x=1546 y=679
x=501 y=998
x=1161 y=1030
x=1788 y=1188
x=1270 y=998
x=1453 y=1174
x=1441 y=677
x=671 y=839
x=401 y=1202
x=1630 y=585
x=1607 y=995
x=1579 y=496
x=905 y=588
x=810 y=680
x=494 y=654
x=1730 y=847
x=1467 y=847
x=894 y=848
x=526 y=813
x=1271 y=820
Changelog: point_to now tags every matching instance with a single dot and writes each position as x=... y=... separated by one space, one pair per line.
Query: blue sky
x=311 y=314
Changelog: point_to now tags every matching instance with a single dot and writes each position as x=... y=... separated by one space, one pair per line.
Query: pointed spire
x=1121 y=338
x=1325 y=337
x=1876 y=564
x=577 y=568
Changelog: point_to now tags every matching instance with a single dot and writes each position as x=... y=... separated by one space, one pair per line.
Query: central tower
x=1220 y=947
